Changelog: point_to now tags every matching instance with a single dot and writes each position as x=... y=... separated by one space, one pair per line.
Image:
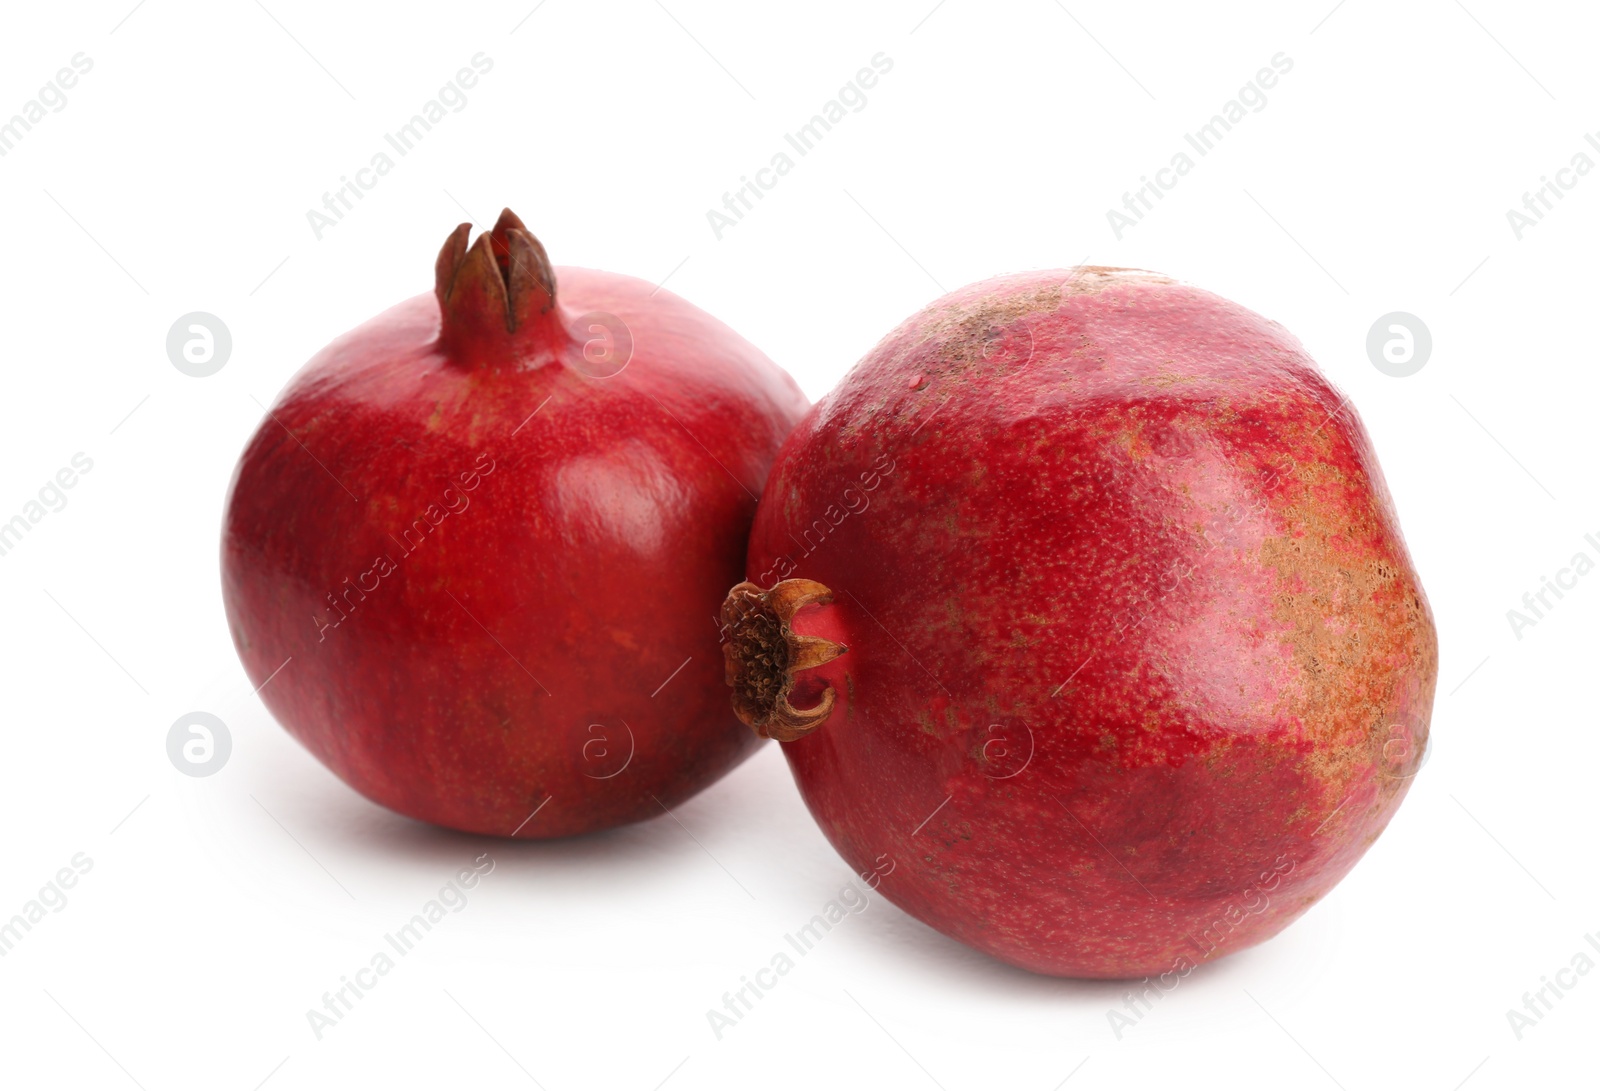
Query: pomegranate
x=472 y=556
x=1083 y=614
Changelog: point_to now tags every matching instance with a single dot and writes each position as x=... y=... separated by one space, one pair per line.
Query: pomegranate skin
x=464 y=562
x=1138 y=665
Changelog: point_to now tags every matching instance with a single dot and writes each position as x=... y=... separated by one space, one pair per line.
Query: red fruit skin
x=1139 y=665
x=509 y=659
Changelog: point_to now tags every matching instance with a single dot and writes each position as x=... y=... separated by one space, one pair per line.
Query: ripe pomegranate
x=1083 y=614
x=473 y=554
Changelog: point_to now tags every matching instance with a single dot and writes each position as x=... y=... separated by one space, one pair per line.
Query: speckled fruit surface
x=1137 y=663
x=474 y=552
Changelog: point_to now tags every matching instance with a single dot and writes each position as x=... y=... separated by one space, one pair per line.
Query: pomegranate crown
x=497 y=298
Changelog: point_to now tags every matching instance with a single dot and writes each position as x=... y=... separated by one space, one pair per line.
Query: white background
x=218 y=910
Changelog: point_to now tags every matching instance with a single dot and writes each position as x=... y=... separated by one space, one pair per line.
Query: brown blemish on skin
x=1166 y=380
x=965 y=331
x=965 y=334
x=1090 y=279
x=1347 y=695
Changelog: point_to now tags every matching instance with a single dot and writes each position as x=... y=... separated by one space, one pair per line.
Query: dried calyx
x=763 y=655
x=497 y=298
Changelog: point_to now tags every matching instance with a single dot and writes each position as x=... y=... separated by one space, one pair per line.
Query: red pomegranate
x=473 y=554
x=1083 y=612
